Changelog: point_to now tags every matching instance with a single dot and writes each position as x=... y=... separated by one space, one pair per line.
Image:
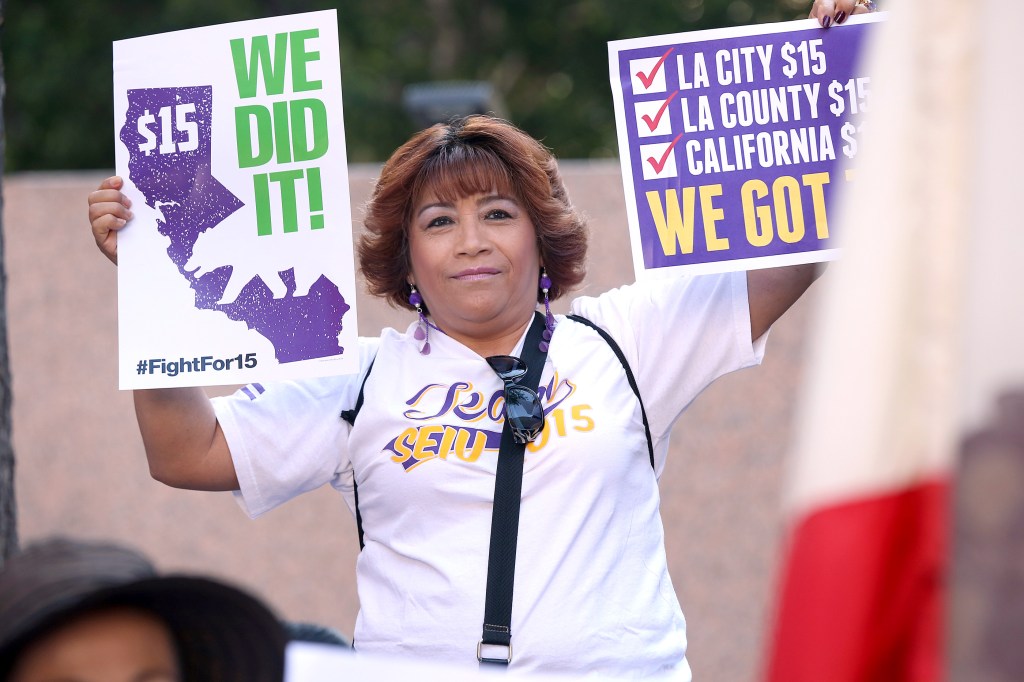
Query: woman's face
x=476 y=263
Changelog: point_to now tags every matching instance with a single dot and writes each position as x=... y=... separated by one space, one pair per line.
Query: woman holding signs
x=491 y=447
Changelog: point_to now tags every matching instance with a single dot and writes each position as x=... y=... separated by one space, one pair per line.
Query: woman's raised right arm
x=184 y=443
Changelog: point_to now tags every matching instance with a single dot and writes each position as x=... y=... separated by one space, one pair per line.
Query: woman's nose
x=472 y=235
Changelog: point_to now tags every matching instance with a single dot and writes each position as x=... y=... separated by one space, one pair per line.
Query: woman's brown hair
x=464 y=157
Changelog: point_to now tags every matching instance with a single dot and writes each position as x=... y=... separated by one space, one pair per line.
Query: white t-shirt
x=592 y=590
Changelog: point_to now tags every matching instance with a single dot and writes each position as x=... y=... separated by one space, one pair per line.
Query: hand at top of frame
x=830 y=12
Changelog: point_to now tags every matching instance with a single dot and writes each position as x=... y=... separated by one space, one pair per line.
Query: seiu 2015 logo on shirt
x=460 y=442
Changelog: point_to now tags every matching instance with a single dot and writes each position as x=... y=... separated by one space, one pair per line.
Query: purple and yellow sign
x=238 y=264
x=734 y=142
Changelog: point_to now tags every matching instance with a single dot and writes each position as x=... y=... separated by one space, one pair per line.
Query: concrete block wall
x=81 y=468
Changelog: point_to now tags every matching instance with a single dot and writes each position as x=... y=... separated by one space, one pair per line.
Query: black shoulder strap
x=508 y=488
x=508 y=483
x=629 y=377
x=350 y=417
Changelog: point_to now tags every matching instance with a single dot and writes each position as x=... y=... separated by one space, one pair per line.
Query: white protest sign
x=238 y=263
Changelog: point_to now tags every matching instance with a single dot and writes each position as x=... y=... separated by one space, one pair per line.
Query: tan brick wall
x=81 y=468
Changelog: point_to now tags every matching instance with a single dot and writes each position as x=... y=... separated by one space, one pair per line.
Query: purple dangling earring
x=549 y=319
x=422 y=332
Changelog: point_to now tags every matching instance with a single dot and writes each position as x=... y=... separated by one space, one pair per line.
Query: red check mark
x=660 y=163
x=652 y=124
x=647 y=80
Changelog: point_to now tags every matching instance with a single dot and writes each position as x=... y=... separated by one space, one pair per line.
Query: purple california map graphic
x=168 y=135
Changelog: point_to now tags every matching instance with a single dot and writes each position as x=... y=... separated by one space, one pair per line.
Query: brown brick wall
x=81 y=469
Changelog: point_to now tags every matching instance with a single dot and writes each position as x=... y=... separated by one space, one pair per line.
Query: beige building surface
x=81 y=468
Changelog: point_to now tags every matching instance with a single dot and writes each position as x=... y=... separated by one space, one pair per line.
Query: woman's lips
x=475 y=274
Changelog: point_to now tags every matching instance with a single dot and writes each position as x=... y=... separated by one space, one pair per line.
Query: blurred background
x=80 y=468
x=547 y=63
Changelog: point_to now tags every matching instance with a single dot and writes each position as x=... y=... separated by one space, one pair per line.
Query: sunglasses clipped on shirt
x=523 y=410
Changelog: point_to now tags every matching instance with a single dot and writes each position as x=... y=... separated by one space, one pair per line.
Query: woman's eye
x=439 y=221
x=498 y=214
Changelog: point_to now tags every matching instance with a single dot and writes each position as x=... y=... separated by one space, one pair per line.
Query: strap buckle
x=489 y=659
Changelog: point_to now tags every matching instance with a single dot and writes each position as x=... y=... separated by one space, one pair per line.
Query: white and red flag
x=867 y=495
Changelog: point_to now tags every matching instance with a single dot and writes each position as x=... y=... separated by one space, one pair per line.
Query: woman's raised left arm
x=770 y=292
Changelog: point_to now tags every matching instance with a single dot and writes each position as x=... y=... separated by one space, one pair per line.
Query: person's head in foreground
x=75 y=611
